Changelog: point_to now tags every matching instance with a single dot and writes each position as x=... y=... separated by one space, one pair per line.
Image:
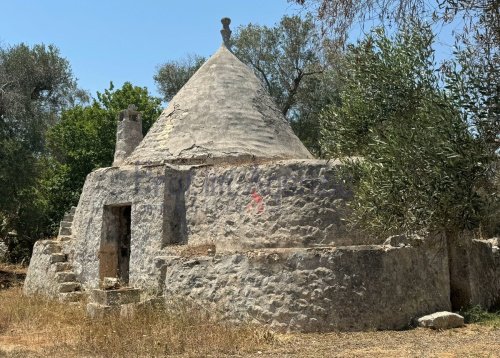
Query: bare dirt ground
x=35 y=327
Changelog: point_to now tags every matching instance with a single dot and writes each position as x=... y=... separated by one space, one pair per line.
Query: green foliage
x=421 y=166
x=281 y=56
x=476 y=314
x=172 y=75
x=84 y=140
x=473 y=86
x=36 y=83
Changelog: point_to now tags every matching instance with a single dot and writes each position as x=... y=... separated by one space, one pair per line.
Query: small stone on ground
x=441 y=320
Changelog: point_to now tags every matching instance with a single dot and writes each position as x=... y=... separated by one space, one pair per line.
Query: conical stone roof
x=222 y=114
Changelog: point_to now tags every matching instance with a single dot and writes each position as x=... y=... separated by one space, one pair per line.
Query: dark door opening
x=114 y=253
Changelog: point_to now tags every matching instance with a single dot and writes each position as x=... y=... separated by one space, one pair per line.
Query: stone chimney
x=128 y=134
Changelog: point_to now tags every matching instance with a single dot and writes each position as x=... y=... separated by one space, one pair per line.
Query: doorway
x=114 y=252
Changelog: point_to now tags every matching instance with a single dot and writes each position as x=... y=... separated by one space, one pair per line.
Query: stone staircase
x=65 y=230
x=68 y=289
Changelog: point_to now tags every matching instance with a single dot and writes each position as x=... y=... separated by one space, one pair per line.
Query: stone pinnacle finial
x=226 y=32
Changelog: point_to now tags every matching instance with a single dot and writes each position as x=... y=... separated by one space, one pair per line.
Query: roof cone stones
x=223 y=114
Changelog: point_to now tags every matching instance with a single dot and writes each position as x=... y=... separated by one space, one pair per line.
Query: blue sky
x=111 y=40
x=126 y=40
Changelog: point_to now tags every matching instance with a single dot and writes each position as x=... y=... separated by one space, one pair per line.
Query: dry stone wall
x=41 y=275
x=484 y=280
x=295 y=203
x=344 y=288
x=143 y=188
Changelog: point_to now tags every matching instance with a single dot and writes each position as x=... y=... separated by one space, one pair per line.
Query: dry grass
x=37 y=327
x=11 y=275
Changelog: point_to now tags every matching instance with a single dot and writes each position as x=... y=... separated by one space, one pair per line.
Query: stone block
x=63 y=266
x=3 y=252
x=64 y=238
x=71 y=296
x=116 y=297
x=54 y=258
x=95 y=310
x=110 y=283
x=69 y=287
x=66 y=224
x=128 y=310
x=52 y=248
x=65 y=276
x=441 y=320
x=64 y=231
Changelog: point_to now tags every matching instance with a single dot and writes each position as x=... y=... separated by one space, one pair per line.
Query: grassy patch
x=476 y=314
x=38 y=326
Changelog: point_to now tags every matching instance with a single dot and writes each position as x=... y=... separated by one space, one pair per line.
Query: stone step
x=65 y=276
x=68 y=217
x=72 y=210
x=57 y=258
x=71 y=296
x=69 y=287
x=64 y=238
x=66 y=224
x=53 y=247
x=115 y=297
x=63 y=266
x=64 y=231
x=96 y=310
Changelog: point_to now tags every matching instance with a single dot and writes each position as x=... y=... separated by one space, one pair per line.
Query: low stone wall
x=484 y=268
x=293 y=203
x=40 y=278
x=318 y=289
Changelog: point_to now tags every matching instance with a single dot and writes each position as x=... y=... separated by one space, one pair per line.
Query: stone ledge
x=115 y=297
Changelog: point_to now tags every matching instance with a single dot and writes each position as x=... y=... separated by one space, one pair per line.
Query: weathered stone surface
x=57 y=258
x=65 y=276
x=62 y=266
x=41 y=275
x=110 y=283
x=484 y=280
x=115 y=297
x=474 y=272
x=65 y=231
x=3 y=251
x=344 y=288
x=98 y=311
x=441 y=320
x=76 y=296
x=284 y=204
x=223 y=114
x=404 y=240
x=144 y=188
x=69 y=287
x=128 y=135
x=129 y=310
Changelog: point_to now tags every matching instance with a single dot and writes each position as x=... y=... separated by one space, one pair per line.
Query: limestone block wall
x=143 y=188
x=318 y=289
x=41 y=275
x=484 y=268
x=294 y=203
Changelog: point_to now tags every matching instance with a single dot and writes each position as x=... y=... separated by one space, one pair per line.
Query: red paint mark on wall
x=257 y=204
